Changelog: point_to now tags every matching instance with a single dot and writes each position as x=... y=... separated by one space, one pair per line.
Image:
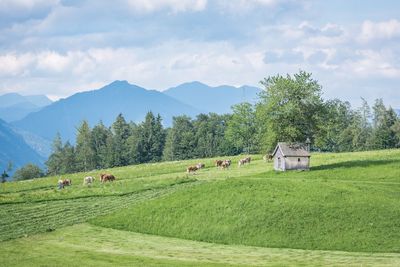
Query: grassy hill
x=351 y=206
x=248 y=216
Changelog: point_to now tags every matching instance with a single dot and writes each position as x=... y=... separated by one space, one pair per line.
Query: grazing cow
x=107 y=177
x=88 y=180
x=244 y=161
x=200 y=165
x=225 y=164
x=241 y=162
x=67 y=182
x=218 y=163
x=267 y=157
x=60 y=184
x=191 y=169
x=63 y=183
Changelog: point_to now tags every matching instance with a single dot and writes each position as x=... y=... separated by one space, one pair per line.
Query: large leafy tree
x=290 y=108
x=241 y=128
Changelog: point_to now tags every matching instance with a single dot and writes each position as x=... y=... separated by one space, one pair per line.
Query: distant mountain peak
x=119 y=83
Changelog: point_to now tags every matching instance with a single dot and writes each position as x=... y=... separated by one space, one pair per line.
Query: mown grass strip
x=29 y=218
x=89 y=245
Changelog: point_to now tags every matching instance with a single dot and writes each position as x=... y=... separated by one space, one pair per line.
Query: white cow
x=88 y=180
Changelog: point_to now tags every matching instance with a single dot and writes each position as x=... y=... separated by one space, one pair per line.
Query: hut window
x=298 y=160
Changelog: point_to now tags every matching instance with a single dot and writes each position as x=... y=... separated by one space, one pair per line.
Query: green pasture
x=158 y=215
x=88 y=245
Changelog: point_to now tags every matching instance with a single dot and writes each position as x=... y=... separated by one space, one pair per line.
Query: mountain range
x=133 y=102
x=14 y=106
x=104 y=104
x=213 y=99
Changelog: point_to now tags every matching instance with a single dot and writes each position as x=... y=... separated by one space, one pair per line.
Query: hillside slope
x=341 y=205
x=103 y=104
x=14 y=149
x=348 y=201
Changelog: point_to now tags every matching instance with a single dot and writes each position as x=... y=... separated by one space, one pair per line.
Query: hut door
x=279 y=163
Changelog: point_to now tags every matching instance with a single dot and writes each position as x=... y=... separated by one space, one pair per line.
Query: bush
x=29 y=171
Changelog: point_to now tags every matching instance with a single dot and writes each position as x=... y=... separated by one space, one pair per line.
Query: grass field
x=88 y=245
x=248 y=216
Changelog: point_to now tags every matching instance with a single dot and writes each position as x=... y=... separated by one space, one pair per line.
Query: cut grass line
x=85 y=241
x=30 y=218
x=316 y=180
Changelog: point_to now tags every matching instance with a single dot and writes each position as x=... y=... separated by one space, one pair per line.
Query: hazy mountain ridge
x=213 y=99
x=102 y=104
x=14 y=106
x=15 y=149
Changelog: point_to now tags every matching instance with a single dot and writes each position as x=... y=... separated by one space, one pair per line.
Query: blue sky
x=59 y=47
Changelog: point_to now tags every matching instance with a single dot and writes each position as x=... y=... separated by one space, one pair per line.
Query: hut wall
x=279 y=161
x=297 y=163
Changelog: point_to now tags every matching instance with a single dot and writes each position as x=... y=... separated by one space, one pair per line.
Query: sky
x=60 y=47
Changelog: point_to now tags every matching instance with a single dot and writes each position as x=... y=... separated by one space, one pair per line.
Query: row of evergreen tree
x=290 y=109
x=128 y=143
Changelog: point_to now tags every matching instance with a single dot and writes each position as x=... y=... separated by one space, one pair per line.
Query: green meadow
x=344 y=212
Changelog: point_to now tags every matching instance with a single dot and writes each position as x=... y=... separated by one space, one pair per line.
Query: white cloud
x=379 y=30
x=12 y=11
x=373 y=63
x=246 y=5
x=174 y=5
x=13 y=64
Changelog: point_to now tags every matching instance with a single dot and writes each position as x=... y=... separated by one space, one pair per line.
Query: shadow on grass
x=353 y=163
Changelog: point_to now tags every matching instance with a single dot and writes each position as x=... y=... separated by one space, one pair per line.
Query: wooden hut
x=291 y=157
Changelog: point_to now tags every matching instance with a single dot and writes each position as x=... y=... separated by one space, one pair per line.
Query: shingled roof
x=292 y=150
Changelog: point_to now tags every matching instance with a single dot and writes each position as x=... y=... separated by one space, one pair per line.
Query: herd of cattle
x=88 y=180
x=222 y=164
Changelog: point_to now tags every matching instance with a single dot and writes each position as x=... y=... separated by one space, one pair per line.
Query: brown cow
x=106 y=177
x=244 y=161
x=218 y=163
x=191 y=169
x=226 y=164
x=67 y=182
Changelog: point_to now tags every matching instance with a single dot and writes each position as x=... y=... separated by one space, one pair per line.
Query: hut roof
x=292 y=150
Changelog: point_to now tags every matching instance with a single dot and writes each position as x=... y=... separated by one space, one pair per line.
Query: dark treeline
x=290 y=109
x=128 y=143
